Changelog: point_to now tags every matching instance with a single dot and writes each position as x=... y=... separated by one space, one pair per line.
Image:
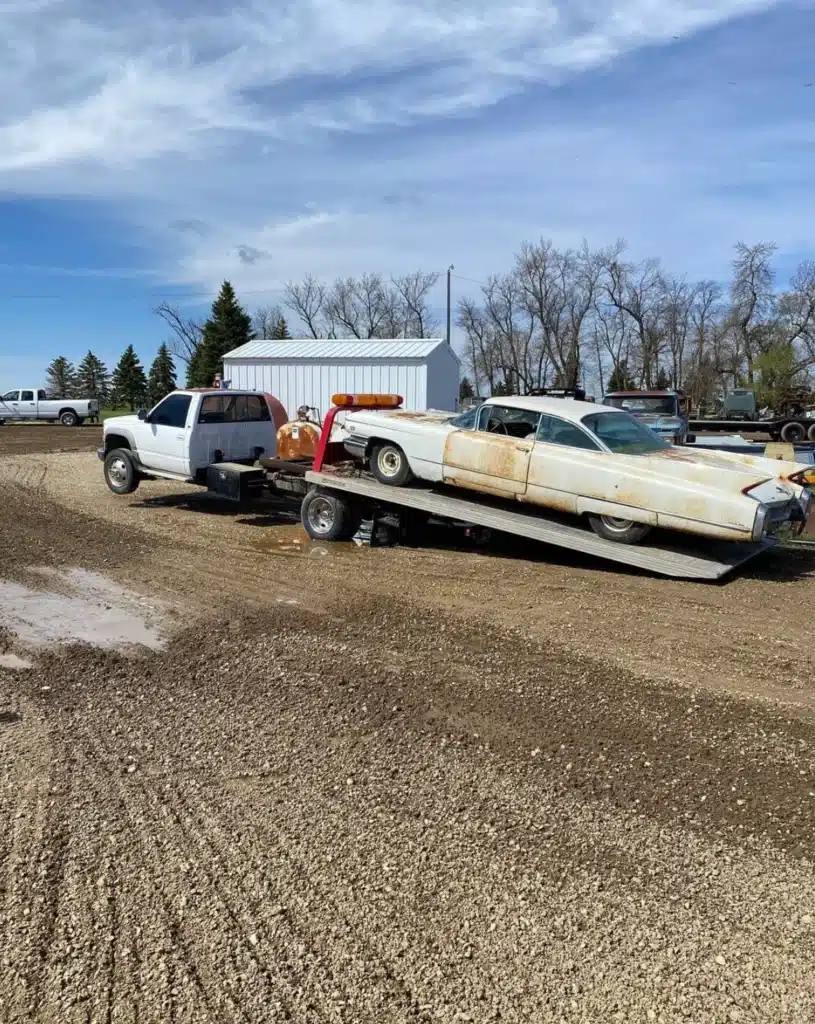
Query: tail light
x=367 y=401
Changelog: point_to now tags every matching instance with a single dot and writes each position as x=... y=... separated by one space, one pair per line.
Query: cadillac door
x=494 y=457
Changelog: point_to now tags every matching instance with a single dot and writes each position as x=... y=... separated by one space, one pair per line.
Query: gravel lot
x=397 y=784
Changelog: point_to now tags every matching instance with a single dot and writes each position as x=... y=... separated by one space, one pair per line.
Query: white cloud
x=87 y=82
x=218 y=133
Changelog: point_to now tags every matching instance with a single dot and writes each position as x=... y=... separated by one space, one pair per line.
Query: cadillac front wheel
x=390 y=466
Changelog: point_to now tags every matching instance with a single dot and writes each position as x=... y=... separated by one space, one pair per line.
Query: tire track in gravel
x=211 y=870
x=225 y=823
x=150 y=904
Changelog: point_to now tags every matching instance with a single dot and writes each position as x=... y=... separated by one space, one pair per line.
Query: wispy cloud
x=89 y=82
x=260 y=141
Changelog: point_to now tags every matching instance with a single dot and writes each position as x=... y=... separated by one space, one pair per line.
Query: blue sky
x=144 y=152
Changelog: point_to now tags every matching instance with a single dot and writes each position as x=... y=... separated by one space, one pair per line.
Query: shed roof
x=338 y=348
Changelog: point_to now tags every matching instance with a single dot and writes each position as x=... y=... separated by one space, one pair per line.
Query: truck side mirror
x=142 y=414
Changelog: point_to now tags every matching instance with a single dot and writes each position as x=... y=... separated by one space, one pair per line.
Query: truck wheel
x=811 y=433
x=68 y=418
x=390 y=466
x=622 y=531
x=793 y=433
x=120 y=473
x=328 y=517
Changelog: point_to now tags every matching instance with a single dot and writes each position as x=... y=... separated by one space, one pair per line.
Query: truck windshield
x=657 y=405
x=622 y=434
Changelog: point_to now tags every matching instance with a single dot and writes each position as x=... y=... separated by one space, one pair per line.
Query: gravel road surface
x=396 y=784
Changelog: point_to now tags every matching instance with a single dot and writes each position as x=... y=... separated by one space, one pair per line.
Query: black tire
x=621 y=531
x=68 y=418
x=328 y=516
x=389 y=465
x=793 y=433
x=811 y=433
x=121 y=474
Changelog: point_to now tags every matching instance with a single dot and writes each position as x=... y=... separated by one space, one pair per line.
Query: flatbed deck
x=686 y=558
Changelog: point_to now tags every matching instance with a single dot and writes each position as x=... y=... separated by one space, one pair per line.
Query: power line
x=472 y=280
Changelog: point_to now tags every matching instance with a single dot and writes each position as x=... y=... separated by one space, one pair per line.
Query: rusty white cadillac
x=585 y=459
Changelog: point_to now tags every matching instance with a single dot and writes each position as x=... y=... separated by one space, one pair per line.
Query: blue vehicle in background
x=665 y=412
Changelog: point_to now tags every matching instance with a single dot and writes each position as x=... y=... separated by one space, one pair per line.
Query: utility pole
x=450 y=270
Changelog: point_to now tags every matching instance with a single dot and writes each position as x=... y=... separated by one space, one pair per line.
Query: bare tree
x=366 y=307
x=307 y=300
x=266 y=321
x=483 y=352
x=638 y=291
x=519 y=354
x=677 y=314
x=186 y=334
x=613 y=337
x=705 y=363
x=559 y=290
x=413 y=291
x=753 y=301
x=796 y=314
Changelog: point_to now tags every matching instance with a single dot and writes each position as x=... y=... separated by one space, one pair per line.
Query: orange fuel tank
x=298 y=439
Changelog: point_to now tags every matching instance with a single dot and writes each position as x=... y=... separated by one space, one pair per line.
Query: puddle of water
x=293 y=541
x=94 y=610
x=13 y=662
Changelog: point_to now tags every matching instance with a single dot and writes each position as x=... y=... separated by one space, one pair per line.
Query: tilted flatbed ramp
x=682 y=560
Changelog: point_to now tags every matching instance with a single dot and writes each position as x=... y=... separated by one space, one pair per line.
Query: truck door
x=10 y=406
x=28 y=406
x=162 y=439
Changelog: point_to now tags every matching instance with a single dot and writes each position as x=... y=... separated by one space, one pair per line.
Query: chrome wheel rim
x=117 y=471
x=320 y=515
x=390 y=462
x=615 y=524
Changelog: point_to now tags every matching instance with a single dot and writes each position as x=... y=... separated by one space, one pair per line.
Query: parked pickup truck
x=34 y=404
x=665 y=412
x=186 y=433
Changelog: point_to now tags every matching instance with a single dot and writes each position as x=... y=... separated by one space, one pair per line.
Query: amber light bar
x=367 y=401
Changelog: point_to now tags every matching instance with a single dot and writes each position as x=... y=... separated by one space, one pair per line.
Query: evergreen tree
x=129 y=384
x=621 y=379
x=281 y=330
x=60 y=378
x=93 y=379
x=162 y=376
x=194 y=375
x=228 y=327
x=465 y=390
x=663 y=380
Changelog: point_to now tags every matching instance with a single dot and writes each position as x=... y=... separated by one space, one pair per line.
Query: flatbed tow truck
x=337 y=496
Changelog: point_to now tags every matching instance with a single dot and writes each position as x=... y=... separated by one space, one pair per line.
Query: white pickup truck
x=186 y=433
x=34 y=404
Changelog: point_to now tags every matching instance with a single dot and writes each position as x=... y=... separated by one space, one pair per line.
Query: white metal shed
x=309 y=371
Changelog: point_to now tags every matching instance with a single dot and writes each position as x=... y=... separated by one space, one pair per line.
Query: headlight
x=761 y=521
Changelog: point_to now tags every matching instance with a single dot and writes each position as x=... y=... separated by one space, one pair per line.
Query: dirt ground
x=391 y=784
x=48 y=437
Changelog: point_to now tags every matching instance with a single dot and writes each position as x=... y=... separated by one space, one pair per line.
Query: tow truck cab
x=190 y=430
